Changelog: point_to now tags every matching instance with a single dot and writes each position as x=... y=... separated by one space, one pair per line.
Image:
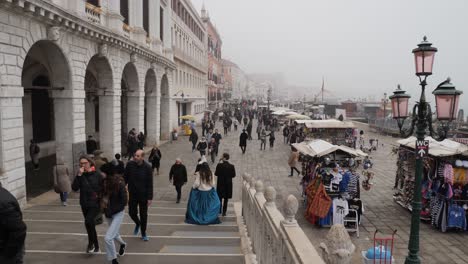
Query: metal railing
x=274 y=238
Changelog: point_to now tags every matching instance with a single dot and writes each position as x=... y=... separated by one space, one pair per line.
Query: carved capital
x=53 y=33
x=103 y=50
x=133 y=57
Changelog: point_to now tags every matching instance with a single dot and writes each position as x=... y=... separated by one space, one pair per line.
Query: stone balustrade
x=274 y=238
x=93 y=13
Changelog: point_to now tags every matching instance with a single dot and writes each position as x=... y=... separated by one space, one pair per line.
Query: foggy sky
x=361 y=47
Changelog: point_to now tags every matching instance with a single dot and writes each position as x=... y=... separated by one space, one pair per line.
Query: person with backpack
x=89 y=182
x=155 y=158
x=202 y=146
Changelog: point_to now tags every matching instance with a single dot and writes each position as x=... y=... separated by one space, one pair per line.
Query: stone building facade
x=189 y=45
x=235 y=81
x=69 y=69
x=216 y=92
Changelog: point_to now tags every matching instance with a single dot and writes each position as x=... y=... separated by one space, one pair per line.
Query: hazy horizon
x=362 y=48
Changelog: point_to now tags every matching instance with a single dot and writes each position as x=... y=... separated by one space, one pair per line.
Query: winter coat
x=178 y=174
x=243 y=139
x=202 y=145
x=155 y=157
x=193 y=138
x=90 y=186
x=217 y=137
x=12 y=227
x=285 y=131
x=61 y=175
x=140 y=180
x=293 y=159
x=117 y=201
x=225 y=171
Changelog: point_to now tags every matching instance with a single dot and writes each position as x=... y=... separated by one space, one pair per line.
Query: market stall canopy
x=319 y=148
x=187 y=117
x=443 y=148
x=329 y=123
x=284 y=112
x=298 y=117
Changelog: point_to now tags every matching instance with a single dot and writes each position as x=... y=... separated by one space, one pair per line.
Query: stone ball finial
x=290 y=209
x=252 y=182
x=259 y=186
x=337 y=247
x=246 y=177
x=270 y=195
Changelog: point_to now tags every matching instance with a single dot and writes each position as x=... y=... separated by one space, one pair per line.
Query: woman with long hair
x=203 y=205
x=113 y=205
x=89 y=182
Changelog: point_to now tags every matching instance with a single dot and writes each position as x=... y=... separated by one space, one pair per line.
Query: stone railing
x=273 y=237
x=93 y=13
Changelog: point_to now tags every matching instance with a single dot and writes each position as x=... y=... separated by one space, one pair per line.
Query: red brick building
x=216 y=92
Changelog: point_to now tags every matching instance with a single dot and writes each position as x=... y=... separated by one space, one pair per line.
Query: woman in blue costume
x=203 y=205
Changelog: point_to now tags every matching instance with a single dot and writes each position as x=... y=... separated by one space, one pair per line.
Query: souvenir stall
x=331 y=184
x=444 y=183
x=332 y=130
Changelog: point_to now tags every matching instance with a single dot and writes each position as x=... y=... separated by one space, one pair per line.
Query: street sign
x=422 y=148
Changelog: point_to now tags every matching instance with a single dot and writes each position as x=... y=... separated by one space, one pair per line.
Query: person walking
x=259 y=130
x=113 y=205
x=243 y=141
x=34 y=150
x=285 y=134
x=212 y=146
x=141 y=140
x=62 y=183
x=249 y=130
x=91 y=145
x=203 y=204
x=89 y=182
x=225 y=172
x=12 y=229
x=178 y=177
x=202 y=146
x=217 y=136
x=118 y=164
x=194 y=139
x=263 y=136
x=272 y=138
x=292 y=162
x=139 y=179
x=226 y=125
x=236 y=123
x=99 y=159
x=155 y=158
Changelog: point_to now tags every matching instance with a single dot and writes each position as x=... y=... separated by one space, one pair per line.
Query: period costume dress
x=203 y=205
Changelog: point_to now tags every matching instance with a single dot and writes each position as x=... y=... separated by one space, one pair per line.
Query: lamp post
x=269 y=97
x=447 y=98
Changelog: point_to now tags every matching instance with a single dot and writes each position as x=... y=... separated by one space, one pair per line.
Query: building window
x=146 y=16
x=124 y=10
x=161 y=23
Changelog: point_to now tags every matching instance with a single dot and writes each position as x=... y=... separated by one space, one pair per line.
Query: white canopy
x=329 y=123
x=319 y=148
x=443 y=148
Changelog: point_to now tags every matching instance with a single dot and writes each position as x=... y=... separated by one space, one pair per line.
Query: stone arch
x=46 y=78
x=98 y=86
x=165 y=128
x=151 y=108
x=130 y=110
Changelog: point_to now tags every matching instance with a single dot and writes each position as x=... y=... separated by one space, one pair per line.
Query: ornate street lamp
x=447 y=98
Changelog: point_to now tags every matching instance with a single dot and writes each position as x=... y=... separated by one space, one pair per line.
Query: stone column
x=69 y=116
x=113 y=18
x=136 y=21
x=167 y=42
x=12 y=170
x=154 y=19
x=135 y=111
x=109 y=122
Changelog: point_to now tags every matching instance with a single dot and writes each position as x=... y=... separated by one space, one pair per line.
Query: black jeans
x=194 y=145
x=179 y=191
x=243 y=149
x=133 y=207
x=294 y=169
x=224 y=205
x=90 y=224
x=225 y=131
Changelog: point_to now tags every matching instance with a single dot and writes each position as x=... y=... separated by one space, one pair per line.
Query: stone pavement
x=271 y=167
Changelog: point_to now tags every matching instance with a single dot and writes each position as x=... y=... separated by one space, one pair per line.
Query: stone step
x=56 y=257
x=156 y=244
x=77 y=215
x=155 y=229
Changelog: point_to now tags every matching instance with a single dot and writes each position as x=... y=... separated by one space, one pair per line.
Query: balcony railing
x=93 y=13
x=127 y=29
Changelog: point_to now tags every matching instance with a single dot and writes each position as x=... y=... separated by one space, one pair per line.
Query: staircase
x=56 y=234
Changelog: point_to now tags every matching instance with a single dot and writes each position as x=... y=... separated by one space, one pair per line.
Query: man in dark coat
x=225 y=171
x=139 y=177
x=91 y=145
x=178 y=177
x=249 y=130
x=194 y=139
x=12 y=229
x=243 y=141
x=217 y=136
